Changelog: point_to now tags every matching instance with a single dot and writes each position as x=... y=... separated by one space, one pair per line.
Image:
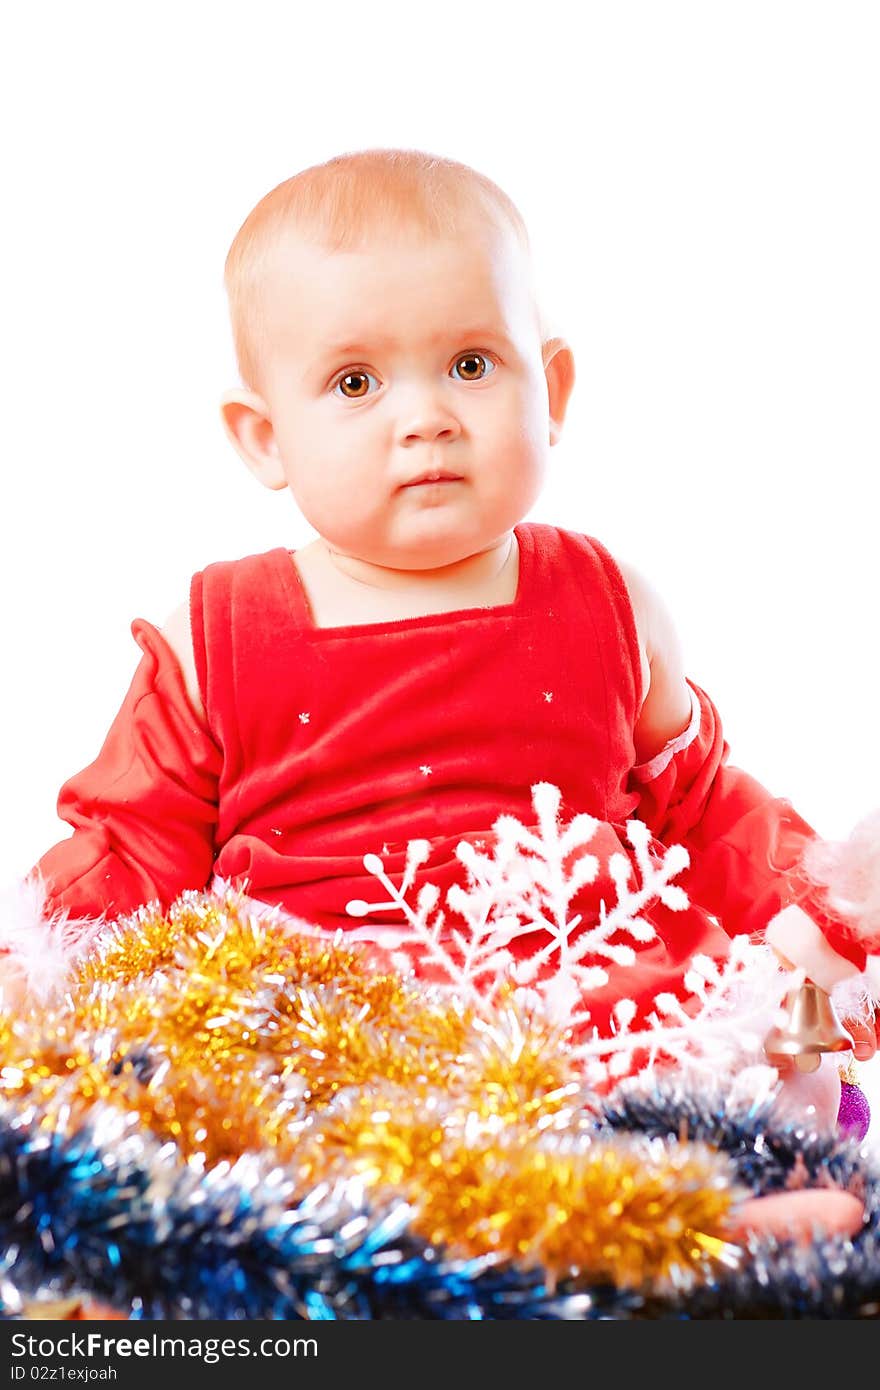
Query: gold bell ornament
x=808 y=1025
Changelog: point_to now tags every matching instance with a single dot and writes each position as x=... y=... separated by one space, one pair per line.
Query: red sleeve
x=144 y=812
x=746 y=846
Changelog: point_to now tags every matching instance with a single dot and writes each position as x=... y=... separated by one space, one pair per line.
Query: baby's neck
x=343 y=590
x=466 y=576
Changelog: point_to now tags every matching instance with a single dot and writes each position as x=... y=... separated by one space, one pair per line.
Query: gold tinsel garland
x=227 y=1032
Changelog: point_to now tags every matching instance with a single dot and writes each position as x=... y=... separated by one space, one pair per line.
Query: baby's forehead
x=397 y=286
x=479 y=260
x=293 y=247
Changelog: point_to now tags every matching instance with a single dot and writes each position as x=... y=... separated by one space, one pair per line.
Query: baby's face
x=408 y=359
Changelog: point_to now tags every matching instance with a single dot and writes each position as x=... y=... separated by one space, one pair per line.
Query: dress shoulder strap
x=228 y=599
x=621 y=612
x=575 y=573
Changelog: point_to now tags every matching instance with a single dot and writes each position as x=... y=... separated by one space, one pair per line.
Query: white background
x=701 y=185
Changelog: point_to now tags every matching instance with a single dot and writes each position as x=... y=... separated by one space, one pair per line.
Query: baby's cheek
x=812 y=1098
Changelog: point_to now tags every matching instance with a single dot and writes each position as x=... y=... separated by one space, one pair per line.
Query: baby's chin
x=426 y=546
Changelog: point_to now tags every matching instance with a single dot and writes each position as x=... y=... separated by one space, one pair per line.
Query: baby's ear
x=558 y=361
x=248 y=425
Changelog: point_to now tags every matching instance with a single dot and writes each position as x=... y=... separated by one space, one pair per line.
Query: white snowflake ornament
x=527 y=885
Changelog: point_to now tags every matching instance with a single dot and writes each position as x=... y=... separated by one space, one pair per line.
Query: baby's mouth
x=436 y=475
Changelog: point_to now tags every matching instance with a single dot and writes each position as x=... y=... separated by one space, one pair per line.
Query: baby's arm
x=177 y=631
x=666 y=698
x=746 y=846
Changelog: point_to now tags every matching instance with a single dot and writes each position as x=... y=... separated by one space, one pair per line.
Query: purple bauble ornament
x=854 y=1115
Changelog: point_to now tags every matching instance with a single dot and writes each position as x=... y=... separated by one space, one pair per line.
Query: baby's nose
x=428 y=419
x=430 y=431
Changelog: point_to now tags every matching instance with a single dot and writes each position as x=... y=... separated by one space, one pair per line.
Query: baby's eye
x=355 y=385
x=472 y=366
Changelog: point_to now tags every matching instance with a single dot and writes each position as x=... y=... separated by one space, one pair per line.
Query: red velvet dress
x=323 y=745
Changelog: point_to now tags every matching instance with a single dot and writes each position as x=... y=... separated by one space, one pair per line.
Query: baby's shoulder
x=641 y=598
x=177 y=631
x=666 y=700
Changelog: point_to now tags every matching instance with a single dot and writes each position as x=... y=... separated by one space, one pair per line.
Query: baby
x=429 y=657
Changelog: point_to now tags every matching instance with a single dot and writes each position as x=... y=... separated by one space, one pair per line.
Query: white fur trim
x=872 y=977
x=795 y=935
x=646 y=772
x=853 y=999
x=39 y=950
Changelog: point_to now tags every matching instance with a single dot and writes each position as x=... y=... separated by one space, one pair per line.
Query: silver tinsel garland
x=224 y=1121
x=109 y=1213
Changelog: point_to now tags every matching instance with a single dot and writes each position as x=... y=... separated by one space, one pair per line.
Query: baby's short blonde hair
x=339 y=204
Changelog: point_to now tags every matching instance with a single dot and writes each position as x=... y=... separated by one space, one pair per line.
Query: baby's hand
x=864 y=1036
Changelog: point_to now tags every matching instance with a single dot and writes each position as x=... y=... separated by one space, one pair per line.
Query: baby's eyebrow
x=363 y=346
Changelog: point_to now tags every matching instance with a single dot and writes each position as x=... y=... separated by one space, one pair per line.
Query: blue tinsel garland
x=110 y=1214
